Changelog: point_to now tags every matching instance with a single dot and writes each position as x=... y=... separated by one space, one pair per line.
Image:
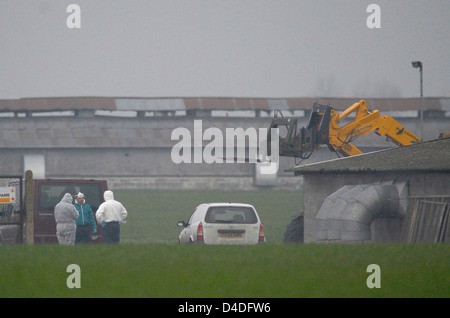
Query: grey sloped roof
x=73 y=132
x=425 y=156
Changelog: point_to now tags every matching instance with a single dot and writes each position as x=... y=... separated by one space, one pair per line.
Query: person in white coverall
x=110 y=215
x=65 y=216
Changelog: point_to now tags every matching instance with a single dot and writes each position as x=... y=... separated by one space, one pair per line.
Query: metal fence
x=427 y=220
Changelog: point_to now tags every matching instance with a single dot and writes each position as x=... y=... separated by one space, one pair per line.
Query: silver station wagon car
x=223 y=223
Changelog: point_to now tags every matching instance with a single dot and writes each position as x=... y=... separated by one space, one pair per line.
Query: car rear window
x=237 y=215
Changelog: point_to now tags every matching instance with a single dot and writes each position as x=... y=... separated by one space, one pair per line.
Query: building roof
x=212 y=103
x=430 y=156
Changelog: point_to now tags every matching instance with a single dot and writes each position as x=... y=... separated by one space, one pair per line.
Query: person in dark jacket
x=85 y=220
x=65 y=216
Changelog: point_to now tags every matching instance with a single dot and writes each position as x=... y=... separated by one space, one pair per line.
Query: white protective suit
x=65 y=216
x=111 y=210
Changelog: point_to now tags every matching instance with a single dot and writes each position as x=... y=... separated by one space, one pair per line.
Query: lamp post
x=419 y=65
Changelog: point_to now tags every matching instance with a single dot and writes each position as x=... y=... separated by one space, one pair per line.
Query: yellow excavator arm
x=364 y=123
x=323 y=128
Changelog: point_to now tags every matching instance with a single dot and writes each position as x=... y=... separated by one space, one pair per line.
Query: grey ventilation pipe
x=328 y=219
x=346 y=215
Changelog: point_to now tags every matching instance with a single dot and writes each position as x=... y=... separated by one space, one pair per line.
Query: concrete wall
x=318 y=186
x=136 y=150
x=200 y=183
x=132 y=168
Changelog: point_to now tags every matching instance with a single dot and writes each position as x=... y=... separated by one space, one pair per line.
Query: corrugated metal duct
x=346 y=215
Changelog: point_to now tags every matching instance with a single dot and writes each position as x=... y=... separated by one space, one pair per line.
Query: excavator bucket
x=300 y=142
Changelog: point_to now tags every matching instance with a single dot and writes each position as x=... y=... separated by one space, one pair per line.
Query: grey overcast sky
x=232 y=48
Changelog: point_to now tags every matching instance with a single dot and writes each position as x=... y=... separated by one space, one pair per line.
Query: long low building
x=129 y=141
x=430 y=104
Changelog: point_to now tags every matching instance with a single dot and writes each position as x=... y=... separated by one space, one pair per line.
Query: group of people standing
x=73 y=221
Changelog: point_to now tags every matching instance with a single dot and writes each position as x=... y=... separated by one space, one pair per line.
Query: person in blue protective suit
x=65 y=216
x=85 y=221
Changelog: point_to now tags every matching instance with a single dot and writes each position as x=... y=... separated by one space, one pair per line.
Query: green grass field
x=150 y=263
x=153 y=215
x=274 y=270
